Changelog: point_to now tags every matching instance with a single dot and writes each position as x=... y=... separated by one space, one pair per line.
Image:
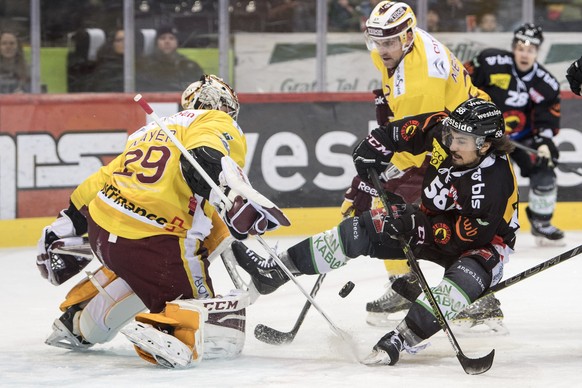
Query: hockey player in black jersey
x=574 y=76
x=466 y=222
x=529 y=97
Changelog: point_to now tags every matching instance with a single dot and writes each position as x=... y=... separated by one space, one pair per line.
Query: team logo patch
x=441 y=233
x=514 y=121
x=408 y=129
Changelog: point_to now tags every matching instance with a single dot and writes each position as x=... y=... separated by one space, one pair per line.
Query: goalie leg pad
x=224 y=335
x=173 y=338
x=108 y=312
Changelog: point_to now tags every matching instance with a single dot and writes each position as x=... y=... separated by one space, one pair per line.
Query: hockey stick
x=275 y=337
x=472 y=366
x=150 y=112
x=536 y=269
x=532 y=151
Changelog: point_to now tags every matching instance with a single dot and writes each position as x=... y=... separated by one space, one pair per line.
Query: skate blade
x=376 y=358
x=544 y=242
x=385 y=319
x=62 y=338
x=470 y=327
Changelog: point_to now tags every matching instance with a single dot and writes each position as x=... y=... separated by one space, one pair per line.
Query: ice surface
x=543 y=349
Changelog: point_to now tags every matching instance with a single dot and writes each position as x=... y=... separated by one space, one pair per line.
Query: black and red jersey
x=530 y=102
x=462 y=209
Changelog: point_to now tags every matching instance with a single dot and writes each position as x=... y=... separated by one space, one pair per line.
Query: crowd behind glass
x=92 y=30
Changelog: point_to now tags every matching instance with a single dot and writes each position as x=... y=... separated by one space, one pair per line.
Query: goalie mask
x=480 y=119
x=211 y=93
x=390 y=20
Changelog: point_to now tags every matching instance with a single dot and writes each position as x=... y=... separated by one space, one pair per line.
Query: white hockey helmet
x=390 y=19
x=210 y=93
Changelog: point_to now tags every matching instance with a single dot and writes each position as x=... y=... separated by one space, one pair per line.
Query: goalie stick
x=275 y=337
x=150 y=112
x=472 y=366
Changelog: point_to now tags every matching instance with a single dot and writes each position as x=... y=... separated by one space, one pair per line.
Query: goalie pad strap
x=85 y=290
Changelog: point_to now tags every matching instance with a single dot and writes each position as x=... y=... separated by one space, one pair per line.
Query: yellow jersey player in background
x=419 y=75
x=152 y=220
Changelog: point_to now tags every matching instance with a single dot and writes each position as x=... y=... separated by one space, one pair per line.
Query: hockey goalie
x=153 y=219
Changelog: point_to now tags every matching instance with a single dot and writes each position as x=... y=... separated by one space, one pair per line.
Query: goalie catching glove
x=249 y=212
x=64 y=231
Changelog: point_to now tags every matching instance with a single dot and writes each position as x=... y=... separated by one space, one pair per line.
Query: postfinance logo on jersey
x=112 y=196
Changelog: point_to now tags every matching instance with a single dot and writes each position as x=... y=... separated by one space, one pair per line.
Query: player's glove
x=381 y=225
x=548 y=153
x=69 y=223
x=372 y=153
x=358 y=198
x=574 y=76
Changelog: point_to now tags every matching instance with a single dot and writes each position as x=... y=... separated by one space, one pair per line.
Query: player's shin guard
x=543 y=195
x=331 y=249
x=464 y=282
x=173 y=338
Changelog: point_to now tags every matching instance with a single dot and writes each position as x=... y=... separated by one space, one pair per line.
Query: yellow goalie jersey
x=429 y=79
x=142 y=192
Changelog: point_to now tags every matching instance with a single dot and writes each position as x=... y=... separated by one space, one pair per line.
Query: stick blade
x=271 y=336
x=476 y=366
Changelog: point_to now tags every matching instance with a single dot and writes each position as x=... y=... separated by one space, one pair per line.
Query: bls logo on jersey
x=477 y=190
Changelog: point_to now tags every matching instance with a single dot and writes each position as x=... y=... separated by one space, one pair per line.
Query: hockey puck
x=346 y=289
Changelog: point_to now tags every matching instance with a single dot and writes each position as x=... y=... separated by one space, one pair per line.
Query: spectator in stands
x=433 y=20
x=166 y=70
x=455 y=11
x=343 y=16
x=291 y=16
x=487 y=22
x=14 y=71
x=108 y=75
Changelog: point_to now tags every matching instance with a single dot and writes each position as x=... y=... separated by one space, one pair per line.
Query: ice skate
x=66 y=333
x=545 y=234
x=481 y=317
x=381 y=312
x=386 y=351
x=266 y=274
